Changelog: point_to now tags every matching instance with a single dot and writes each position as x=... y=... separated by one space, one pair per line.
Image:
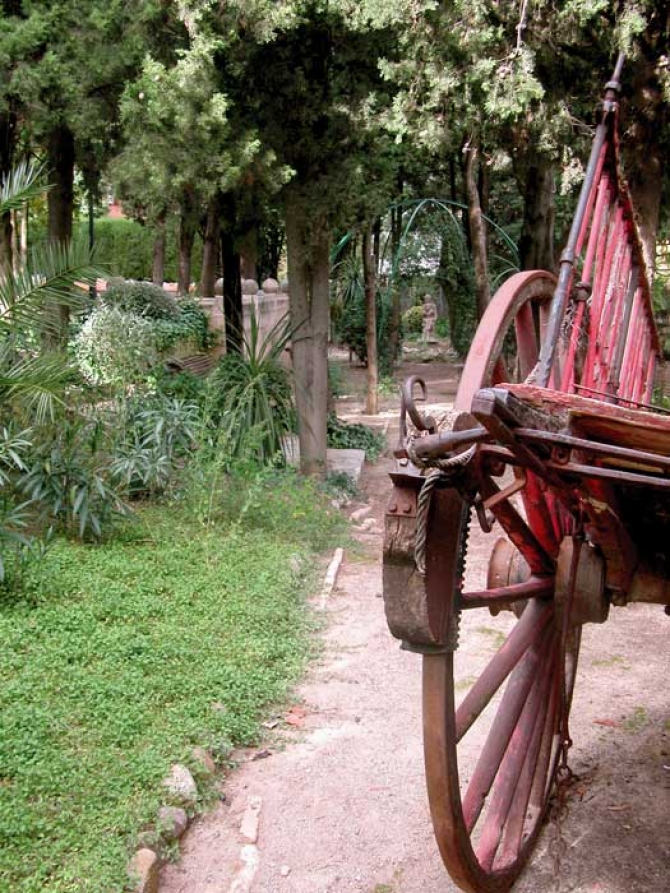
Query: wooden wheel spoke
x=517 y=757
x=501 y=371
x=525 y=633
x=528 y=347
x=543 y=776
x=516 y=817
x=501 y=731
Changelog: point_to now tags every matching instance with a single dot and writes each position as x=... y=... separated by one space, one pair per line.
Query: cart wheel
x=487 y=815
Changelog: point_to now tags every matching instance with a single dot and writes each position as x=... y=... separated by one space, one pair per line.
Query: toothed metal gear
x=453 y=633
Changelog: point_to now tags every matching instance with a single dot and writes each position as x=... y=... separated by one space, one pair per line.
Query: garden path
x=338 y=803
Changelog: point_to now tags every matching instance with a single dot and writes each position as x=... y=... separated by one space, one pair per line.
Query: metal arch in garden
x=554 y=448
x=453 y=224
x=445 y=217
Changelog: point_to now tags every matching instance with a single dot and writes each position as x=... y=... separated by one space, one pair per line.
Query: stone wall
x=269 y=304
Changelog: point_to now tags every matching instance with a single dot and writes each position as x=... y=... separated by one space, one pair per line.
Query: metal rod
x=590 y=446
x=635 y=403
x=536 y=587
x=560 y=298
x=610 y=474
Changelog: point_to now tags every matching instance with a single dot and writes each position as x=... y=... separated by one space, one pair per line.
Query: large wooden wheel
x=487 y=814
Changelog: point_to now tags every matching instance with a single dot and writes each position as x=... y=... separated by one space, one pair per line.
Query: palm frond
x=22 y=183
x=56 y=275
x=37 y=383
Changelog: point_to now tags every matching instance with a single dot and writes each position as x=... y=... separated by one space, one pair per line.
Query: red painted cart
x=554 y=439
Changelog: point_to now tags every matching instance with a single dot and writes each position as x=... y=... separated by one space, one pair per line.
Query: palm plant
x=251 y=395
x=31 y=375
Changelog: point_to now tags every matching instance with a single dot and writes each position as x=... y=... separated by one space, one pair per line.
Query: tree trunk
x=484 y=189
x=644 y=144
x=8 y=123
x=396 y=234
x=210 y=249
x=536 y=244
x=308 y=247
x=376 y=244
x=249 y=255
x=477 y=229
x=6 y=243
x=60 y=197
x=370 y=286
x=646 y=189
x=158 y=257
x=233 y=310
x=23 y=237
x=186 y=239
x=60 y=200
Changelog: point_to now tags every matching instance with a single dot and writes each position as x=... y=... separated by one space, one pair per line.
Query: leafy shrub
x=181 y=385
x=155 y=438
x=191 y=323
x=67 y=480
x=141 y=298
x=355 y=436
x=348 y=313
x=412 y=320
x=15 y=450
x=442 y=327
x=250 y=396
x=125 y=247
x=387 y=386
x=116 y=348
x=350 y=330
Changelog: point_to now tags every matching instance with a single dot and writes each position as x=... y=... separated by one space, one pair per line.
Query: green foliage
x=180 y=385
x=155 y=438
x=116 y=348
x=335 y=380
x=117 y=660
x=341 y=486
x=348 y=302
x=141 y=298
x=251 y=402
x=412 y=320
x=442 y=327
x=387 y=387
x=125 y=248
x=355 y=436
x=191 y=325
x=67 y=482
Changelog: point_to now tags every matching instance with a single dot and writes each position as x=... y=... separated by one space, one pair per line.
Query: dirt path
x=339 y=804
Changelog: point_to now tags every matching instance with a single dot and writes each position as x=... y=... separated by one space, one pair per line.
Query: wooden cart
x=555 y=448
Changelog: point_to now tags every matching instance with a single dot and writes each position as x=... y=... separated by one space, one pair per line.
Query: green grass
x=118 y=658
x=613 y=661
x=638 y=719
x=496 y=637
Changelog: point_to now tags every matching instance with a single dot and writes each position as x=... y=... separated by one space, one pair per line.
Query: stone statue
x=429 y=317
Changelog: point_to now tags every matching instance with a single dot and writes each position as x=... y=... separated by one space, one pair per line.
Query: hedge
x=125 y=248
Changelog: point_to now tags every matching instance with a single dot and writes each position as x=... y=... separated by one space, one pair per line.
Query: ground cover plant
x=118 y=659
